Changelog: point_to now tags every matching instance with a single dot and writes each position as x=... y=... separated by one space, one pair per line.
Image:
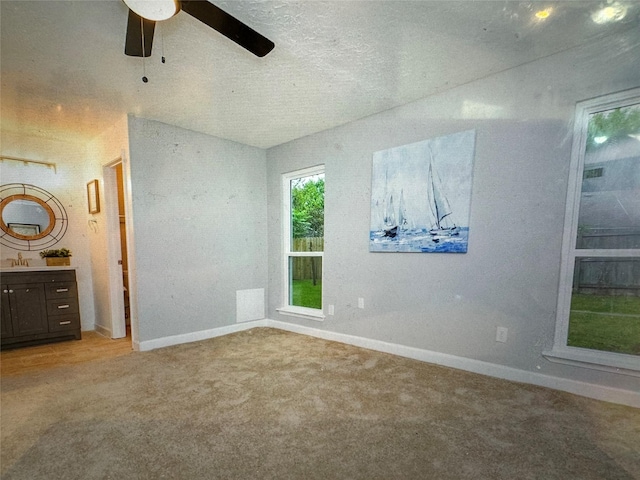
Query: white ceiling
x=65 y=75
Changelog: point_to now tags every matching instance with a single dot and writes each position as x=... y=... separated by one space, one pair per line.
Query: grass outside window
x=608 y=323
x=305 y=294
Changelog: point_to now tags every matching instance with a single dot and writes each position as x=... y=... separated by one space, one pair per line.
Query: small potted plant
x=57 y=258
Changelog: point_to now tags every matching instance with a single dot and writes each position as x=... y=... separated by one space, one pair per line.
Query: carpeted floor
x=268 y=404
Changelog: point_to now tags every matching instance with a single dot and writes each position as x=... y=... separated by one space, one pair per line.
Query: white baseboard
x=597 y=392
x=104 y=331
x=197 y=336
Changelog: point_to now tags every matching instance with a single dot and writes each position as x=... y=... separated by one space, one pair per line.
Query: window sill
x=302 y=312
x=604 y=361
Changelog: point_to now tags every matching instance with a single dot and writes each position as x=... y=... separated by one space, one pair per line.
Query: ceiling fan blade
x=229 y=26
x=133 y=42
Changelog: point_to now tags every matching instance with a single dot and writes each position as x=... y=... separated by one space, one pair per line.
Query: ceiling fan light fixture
x=143 y=15
x=155 y=10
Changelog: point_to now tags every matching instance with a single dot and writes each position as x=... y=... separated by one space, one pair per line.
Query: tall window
x=303 y=241
x=599 y=301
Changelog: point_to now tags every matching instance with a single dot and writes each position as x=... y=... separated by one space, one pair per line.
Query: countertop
x=37 y=268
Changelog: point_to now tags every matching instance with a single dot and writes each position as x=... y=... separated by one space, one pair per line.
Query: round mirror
x=30 y=217
x=26 y=217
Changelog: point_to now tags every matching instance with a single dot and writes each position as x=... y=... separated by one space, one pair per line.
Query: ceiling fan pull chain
x=162 y=43
x=144 y=71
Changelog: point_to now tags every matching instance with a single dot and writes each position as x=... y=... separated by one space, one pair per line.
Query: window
x=598 y=321
x=303 y=222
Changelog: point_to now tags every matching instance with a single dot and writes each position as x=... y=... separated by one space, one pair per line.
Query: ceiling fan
x=143 y=15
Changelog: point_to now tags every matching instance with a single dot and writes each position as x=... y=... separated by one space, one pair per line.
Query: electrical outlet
x=331 y=310
x=501 y=334
x=360 y=302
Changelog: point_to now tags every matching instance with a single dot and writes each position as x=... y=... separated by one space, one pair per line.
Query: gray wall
x=452 y=303
x=199 y=213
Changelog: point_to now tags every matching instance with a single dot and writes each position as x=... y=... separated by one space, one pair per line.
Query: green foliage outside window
x=307 y=228
x=307 y=206
x=613 y=125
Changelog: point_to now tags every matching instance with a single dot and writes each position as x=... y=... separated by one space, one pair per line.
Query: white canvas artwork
x=421 y=195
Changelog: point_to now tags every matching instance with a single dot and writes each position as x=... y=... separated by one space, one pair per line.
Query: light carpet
x=268 y=404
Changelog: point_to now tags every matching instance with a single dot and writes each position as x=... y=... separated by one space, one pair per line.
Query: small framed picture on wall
x=93 y=196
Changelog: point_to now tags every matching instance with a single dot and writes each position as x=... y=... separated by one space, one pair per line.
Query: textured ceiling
x=64 y=73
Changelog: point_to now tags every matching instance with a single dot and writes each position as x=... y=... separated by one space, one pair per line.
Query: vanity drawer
x=61 y=290
x=63 y=306
x=60 y=323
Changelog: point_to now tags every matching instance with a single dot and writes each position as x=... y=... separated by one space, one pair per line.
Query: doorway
x=123 y=246
x=119 y=260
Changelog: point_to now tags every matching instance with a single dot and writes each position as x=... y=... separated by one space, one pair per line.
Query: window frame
x=288 y=252
x=561 y=352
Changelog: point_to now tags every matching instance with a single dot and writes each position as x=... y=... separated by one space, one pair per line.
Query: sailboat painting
x=421 y=196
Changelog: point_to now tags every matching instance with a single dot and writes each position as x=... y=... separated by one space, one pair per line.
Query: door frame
x=114 y=266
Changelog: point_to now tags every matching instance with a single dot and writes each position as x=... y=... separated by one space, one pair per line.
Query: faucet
x=20 y=262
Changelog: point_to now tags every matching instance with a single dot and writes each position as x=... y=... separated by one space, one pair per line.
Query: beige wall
x=67 y=183
x=110 y=146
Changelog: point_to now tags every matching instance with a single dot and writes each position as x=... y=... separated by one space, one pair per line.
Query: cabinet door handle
x=60 y=307
x=62 y=290
x=5 y=291
x=10 y=291
x=65 y=323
